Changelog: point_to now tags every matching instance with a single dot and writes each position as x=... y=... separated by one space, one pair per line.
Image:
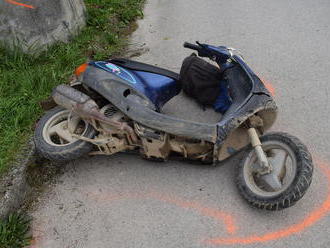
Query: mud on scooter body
x=116 y=106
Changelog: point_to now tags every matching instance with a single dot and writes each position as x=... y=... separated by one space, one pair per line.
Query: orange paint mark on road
x=218 y=215
x=269 y=86
x=20 y=4
x=316 y=215
x=226 y=218
x=37 y=235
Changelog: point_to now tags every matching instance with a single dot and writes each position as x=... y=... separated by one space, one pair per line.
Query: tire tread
x=299 y=186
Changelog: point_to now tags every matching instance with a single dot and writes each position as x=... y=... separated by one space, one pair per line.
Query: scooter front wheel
x=289 y=178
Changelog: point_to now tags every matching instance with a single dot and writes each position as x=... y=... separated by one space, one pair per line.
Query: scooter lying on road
x=116 y=105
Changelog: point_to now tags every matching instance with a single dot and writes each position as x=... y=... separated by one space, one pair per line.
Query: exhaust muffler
x=87 y=108
x=74 y=100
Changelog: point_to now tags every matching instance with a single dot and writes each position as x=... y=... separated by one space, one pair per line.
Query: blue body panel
x=158 y=88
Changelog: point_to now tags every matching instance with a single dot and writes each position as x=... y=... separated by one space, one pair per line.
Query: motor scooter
x=116 y=105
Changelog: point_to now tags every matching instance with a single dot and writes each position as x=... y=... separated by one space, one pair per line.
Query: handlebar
x=192 y=46
x=202 y=52
x=219 y=54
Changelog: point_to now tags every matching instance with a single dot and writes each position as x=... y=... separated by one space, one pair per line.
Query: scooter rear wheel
x=291 y=174
x=53 y=139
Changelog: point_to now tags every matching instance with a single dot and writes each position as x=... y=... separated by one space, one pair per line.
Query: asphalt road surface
x=124 y=201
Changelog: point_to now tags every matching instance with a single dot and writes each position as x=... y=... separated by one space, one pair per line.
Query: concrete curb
x=14 y=187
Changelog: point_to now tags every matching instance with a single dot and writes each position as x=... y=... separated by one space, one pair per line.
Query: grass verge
x=25 y=80
x=14 y=232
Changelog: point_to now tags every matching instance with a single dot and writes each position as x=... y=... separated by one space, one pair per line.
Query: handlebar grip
x=191 y=46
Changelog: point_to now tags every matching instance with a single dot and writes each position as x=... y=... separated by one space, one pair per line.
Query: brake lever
x=204 y=53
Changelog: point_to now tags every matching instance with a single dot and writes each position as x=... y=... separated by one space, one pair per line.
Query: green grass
x=25 y=80
x=14 y=232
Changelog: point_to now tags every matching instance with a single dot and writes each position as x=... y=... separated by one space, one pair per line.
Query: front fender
x=232 y=134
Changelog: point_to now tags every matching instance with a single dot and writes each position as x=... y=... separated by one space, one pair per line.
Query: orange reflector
x=80 y=69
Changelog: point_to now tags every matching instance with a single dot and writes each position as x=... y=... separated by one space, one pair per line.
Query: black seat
x=138 y=66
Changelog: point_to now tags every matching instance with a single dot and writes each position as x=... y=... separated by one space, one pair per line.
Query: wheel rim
x=284 y=168
x=58 y=130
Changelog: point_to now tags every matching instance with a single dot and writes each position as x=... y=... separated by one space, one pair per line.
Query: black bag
x=200 y=80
